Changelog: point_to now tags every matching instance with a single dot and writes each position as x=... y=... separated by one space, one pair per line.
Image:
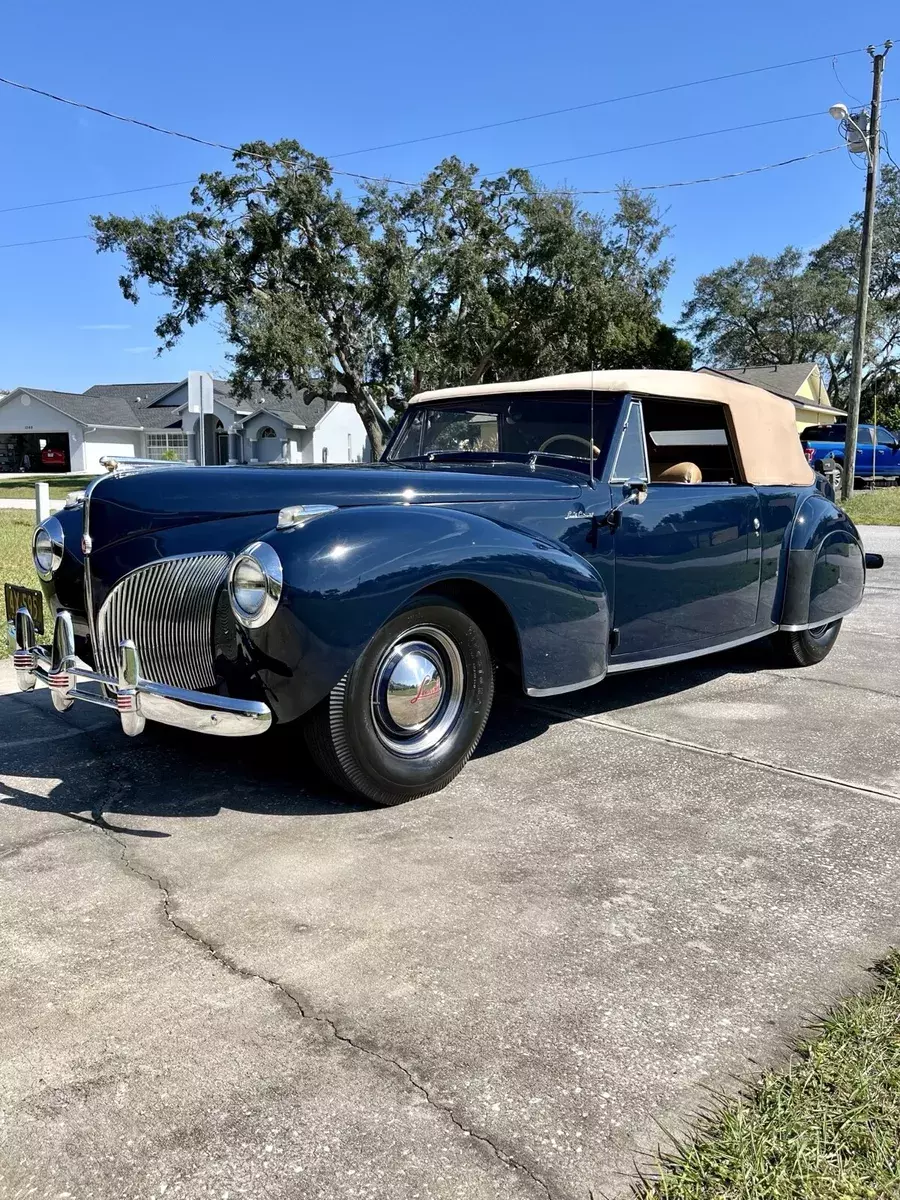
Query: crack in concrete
x=11 y=849
x=236 y=968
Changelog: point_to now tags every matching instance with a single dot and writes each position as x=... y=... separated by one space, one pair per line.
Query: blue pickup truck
x=877 y=451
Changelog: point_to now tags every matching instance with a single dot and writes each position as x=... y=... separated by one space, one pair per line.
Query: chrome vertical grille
x=167 y=610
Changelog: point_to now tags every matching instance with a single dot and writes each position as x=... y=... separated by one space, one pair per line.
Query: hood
x=142 y=502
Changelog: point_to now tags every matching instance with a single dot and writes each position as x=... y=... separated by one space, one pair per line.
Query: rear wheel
x=406 y=717
x=804 y=647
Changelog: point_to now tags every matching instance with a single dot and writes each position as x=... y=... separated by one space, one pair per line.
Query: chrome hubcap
x=417 y=691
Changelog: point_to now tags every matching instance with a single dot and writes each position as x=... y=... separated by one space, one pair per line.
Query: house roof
x=136 y=405
x=88 y=410
x=784 y=379
x=132 y=393
x=292 y=409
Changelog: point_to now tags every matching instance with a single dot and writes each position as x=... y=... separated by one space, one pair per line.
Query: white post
x=41 y=503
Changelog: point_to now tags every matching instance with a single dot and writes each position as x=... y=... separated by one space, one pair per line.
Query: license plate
x=23 y=597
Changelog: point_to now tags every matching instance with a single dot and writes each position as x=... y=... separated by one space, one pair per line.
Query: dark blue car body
x=570 y=572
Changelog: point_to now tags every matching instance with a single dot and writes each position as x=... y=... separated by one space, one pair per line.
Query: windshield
x=509 y=426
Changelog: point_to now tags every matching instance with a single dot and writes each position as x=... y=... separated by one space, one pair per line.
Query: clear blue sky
x=339 y=77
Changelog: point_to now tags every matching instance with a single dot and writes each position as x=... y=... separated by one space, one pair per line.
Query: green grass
x=60 y=486
x=880 y=506
x=826 y=1128
x=16 y=526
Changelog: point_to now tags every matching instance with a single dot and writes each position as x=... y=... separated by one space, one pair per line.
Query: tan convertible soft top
x=763 y=424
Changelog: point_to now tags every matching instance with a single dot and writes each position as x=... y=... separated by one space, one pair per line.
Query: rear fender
x=347 y=573
x=825 y=570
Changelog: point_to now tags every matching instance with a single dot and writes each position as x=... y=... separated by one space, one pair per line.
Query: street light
x=863 y=133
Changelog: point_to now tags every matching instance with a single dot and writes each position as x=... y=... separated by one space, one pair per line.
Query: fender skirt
x=826 y=566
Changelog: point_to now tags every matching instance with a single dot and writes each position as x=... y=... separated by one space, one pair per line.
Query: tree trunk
x=376 y=426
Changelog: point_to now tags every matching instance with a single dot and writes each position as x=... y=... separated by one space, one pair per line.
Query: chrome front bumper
x=134 y=698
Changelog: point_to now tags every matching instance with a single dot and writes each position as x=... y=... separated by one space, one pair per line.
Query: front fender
x=347 y=573
x=826 y=568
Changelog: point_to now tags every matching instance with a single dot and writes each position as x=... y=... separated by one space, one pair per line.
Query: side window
x=885 y=437
x=689 y=442
x=631 y=456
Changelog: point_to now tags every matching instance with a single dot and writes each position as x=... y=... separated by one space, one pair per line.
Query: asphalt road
x=240 y=985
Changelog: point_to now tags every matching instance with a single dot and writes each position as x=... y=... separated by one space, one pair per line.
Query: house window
x=324 y=454
x=168 y=446
x=267 y=432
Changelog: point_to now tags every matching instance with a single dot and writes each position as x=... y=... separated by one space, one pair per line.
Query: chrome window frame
x=633 y=406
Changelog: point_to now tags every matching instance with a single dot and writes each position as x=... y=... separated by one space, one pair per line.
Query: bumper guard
x=134 y=698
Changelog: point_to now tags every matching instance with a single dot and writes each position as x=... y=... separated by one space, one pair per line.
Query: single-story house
x=801 y=383
x=72 y=431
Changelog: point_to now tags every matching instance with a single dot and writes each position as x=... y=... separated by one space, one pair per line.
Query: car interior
x=688 y=442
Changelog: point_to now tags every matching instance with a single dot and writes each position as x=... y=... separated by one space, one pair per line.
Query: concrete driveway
x=241 y=985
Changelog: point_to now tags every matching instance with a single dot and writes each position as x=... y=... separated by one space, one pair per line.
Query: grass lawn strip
x=826 y=1128
x=16 y=528
x=60 y=486
x=880 y=506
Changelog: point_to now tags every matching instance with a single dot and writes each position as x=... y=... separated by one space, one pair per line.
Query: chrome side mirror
x=636 y=491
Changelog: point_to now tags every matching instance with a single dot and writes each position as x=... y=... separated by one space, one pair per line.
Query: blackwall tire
x=407 y=716
x=805 y=647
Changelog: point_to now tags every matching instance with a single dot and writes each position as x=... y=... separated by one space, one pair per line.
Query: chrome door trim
x=814 y=624
x=539 y=693
x=640 y=664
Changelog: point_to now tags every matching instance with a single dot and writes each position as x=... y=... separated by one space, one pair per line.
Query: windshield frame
x=582 y=466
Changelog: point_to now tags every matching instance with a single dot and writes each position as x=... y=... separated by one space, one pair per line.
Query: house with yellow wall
x=801 y=383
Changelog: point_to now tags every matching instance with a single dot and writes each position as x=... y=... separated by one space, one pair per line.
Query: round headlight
x=254 y=584
x=47 y=548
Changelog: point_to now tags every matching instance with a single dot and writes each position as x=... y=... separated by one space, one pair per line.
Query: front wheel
x=804 y=647
x=406 y=717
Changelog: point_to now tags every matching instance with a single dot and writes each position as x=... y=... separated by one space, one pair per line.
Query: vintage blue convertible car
x=564 y=529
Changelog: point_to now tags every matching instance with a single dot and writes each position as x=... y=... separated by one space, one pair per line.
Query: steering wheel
x=570 y=437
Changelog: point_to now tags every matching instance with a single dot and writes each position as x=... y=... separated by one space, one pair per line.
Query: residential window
x=266 y=432
x=167 y=446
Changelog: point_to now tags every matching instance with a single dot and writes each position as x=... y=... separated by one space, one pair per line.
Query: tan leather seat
x=683 y=472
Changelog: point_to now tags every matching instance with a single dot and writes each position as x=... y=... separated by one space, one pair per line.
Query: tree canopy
x=458 y=280
x=800 y=307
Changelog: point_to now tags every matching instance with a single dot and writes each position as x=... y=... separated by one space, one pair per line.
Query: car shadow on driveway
x=168 y=772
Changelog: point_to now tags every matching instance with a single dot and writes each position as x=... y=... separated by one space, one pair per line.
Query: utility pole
x=873 y=140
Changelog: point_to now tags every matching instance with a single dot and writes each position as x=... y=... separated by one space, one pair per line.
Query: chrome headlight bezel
x=50 y=534
x=268 y=564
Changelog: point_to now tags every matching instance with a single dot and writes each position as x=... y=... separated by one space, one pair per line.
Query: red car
x=53 y=458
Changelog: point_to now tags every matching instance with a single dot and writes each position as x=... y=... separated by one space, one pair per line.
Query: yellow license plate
x=22 y=597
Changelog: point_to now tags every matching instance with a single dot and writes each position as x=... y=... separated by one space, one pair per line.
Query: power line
x=188 y=137
x=684 y=137
x=532 y=166
x=646 y=187
x=654 y=187
x=75 y=237
x=431 y=137
x=558 y=112
x=151 y=187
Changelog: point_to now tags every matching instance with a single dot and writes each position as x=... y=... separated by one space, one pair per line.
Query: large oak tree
x=457 y=280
